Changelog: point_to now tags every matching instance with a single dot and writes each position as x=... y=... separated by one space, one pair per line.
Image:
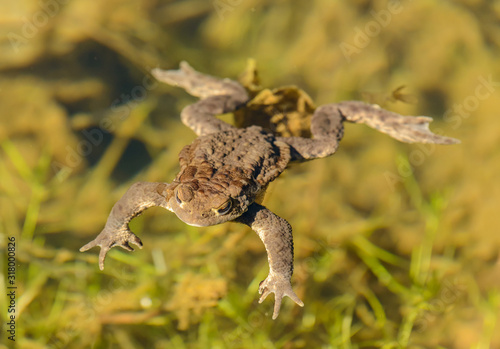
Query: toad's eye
x=224 y=208
x=179 y=201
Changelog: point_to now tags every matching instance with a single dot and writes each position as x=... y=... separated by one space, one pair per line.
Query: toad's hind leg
x=408 y=129
x=217 y=96
x=327 y=128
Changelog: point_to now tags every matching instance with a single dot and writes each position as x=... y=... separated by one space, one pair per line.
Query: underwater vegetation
x=396 y=246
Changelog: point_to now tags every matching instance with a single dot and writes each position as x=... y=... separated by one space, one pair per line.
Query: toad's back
x=251 y=154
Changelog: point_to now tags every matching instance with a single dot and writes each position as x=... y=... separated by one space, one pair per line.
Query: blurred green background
x=396 y=246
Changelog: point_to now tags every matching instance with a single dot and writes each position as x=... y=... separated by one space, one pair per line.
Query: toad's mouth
x=189 y=217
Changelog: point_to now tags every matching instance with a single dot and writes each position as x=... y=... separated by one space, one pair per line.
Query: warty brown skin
x=225 y=171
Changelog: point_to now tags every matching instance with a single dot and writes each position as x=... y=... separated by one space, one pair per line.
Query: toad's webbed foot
x=281 y=287
x=199 y=84
x=408 y=129
x=217 y=96
x=276 y=234
x=116 y=232
x=327 y=128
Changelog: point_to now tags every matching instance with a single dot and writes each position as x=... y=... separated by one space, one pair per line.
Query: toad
x=226 y=170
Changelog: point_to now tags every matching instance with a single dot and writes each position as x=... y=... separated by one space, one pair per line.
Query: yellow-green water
x=395 y=245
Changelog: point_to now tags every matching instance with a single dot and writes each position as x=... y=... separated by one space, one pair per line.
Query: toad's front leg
x=116 y=232
x=276 y=234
